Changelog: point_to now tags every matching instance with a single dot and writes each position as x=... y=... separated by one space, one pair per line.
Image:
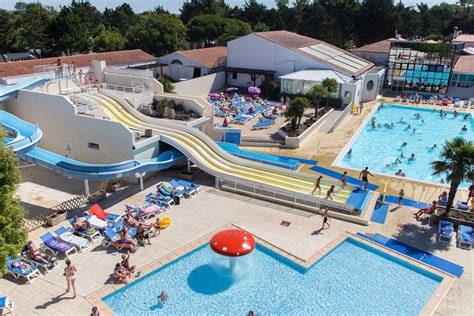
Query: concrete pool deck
x=200 y=216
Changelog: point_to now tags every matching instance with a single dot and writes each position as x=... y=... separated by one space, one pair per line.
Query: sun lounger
x=28 y=271
x=465 y=237
x=261 y=125
x=445 y=231
x=465 y=104
x=6 y=304
x=457 y=102
x=168 y=190
x=100 y=213
x=398 y=98
x=196 y=187
x=158 y=199
x=187 y=191
x=56 y=245
x=132 y=232
x=92 y=234
x=112 y=238
x=67 y=235
x=145 y=211
x=37 y=263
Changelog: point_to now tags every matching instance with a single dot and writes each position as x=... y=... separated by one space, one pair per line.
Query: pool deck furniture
x=56 y=245
x=112 y=239
x=187 y=191
x=445 y=231
x=159 y=198
x=91 y=234
x=31 y=274
x=100 y=213
x=67 y=235
x=465 y=237
x=194 y=186
x=6 y=304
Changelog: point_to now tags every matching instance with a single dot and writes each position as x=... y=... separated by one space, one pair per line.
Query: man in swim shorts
x=365 y=180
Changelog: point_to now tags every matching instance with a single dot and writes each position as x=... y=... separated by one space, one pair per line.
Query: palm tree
x=331 y=86
x=317 y=93
x=295 y=111
x=457 y=163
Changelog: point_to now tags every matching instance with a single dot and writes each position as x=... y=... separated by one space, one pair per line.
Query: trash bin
x=176 y=200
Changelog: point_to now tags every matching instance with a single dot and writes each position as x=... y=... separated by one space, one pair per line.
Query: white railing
x=54 y=72
x=146 y=73
x=138 y=89
x=84 y=104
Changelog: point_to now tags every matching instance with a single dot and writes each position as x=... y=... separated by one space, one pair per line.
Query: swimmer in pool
x=408 y=127
x=414 y=130
x=466 y=116
x=412 y=157
x=464 y=128
x=404 y=144
x=372 y=124
x=391 y=125
x=398 y=161
x=423 y=121
x=379 y=125
x=349 y=152
x=401 y=155
x=434 y=146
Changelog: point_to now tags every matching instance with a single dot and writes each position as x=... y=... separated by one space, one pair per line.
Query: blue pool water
x=351 y=279
x=379 y=147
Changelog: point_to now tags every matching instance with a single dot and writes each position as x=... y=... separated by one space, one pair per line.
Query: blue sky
x=170 y=5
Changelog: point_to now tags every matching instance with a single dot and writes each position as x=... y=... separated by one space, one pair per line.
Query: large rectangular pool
x=353 y=278
x=381 y=147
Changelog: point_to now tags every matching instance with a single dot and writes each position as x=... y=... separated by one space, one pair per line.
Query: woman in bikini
x=70 y=274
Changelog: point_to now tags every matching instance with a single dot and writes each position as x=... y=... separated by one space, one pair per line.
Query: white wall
x=56 y=117
x=200 y=87
x=186 y=70
x=377 y=79
x=252 y=51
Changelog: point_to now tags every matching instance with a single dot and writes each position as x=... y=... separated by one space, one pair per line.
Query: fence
x=146 y=73
x=54 y=72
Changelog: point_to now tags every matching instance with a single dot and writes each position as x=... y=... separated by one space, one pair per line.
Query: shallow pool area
x=353 y=278
x=381 y=146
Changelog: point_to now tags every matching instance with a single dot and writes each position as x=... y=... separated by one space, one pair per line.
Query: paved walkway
x=203 y=214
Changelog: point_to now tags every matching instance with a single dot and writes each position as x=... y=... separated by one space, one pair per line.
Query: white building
x=194 y=63
x=252 y=58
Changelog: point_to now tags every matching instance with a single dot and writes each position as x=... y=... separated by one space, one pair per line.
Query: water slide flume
x=211 y=158
x=24 y=138
x=8 y=92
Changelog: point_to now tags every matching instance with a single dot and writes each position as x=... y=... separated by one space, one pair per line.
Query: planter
x=56 y=218
x=114 y=187
x=96 y=197
x=441 y=214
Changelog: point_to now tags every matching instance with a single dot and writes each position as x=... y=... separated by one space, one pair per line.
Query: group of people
x=123 y=270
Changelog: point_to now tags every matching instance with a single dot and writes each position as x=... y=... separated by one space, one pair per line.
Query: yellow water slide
x=211 y=158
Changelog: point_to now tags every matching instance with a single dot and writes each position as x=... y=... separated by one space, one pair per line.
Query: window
x=93 y=146
x=370 y=85
x=234 y=75
x=197 y=72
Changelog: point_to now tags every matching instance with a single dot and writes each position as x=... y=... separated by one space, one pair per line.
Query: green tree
x=331 y=86
x=295 y=111
x=12 y=232
x=168 y=86
x=108 y=39
x=457 y=163
x=32 y=25
x=317 y=93
x=193 y=8
x=205 y=29
x=379 y=14
x=120 y=18
x=233 y=29
x=7 y=31
x=157 y=33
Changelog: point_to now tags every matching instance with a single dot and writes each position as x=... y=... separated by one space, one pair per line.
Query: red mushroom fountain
x=232 y=243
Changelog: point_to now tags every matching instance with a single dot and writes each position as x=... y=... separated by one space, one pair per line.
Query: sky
x=170 y=5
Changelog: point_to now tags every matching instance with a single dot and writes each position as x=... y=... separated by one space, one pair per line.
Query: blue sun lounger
x=261 y=125
x=465 y=237
x=30 y=272
x=445 y=231
x=194 y=186
x=67 y=235
x=56 y=245
x=6 y=304
x=92 y=234
x=160 y=200
x=187 y=191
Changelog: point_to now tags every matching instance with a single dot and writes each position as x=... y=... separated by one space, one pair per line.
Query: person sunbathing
x=142 y=234
x=120 y=274
x=35 y=254
x=125 y=237
x=81 y=225
x=133 y=222
x=443 y=197
x=426 y=210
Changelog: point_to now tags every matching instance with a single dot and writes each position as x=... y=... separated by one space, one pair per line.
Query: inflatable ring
x=165 y=222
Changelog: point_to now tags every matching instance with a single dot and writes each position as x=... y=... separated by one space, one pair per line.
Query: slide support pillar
x=189 y=166
x=141 y=182
x=86 y=185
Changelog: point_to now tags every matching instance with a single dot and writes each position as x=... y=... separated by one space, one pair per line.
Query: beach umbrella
x=254 y=90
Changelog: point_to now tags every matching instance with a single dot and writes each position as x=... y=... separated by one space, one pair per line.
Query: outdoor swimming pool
x=378 y=148
x=353 y=278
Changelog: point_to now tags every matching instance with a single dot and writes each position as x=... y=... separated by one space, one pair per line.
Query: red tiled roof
x=124 y=57
x=295 y=41
x=465 y=64
x=208 y=57
x=464 y=38
x=377 y=47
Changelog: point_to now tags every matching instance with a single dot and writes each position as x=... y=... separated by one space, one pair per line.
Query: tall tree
x=317 y=93
x=380 y=14
x=205 y=29
x=121 y=18
x=157 y=33
x=12 y=232
x=108 y=39
x=295 y=111
x=193 y=8
x=7 y=31
x=457 y=164
x=331 y=87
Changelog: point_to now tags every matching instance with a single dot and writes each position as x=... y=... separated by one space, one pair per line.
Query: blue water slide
x=24 y=137
x=8 y=92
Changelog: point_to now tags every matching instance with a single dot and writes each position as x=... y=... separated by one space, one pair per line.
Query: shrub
x=168 y=86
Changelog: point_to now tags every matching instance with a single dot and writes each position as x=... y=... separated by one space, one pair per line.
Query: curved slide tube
x=211 y=158
x=26 y=137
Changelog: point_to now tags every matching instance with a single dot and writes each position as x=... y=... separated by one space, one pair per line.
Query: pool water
x=378 y=148
x=353 y=278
